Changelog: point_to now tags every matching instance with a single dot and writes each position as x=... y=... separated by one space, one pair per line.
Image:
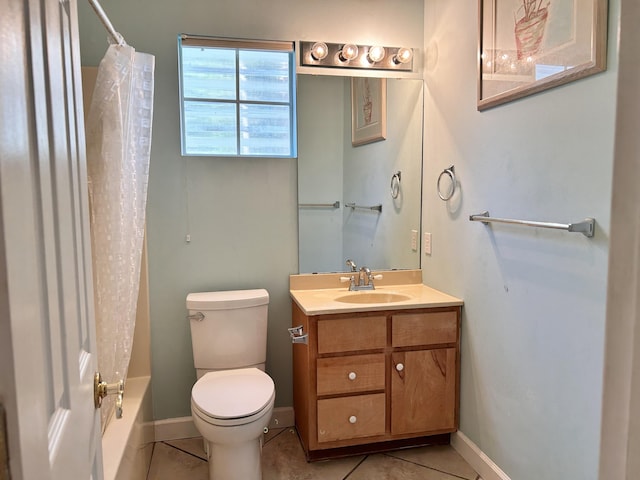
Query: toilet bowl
x=231 y=409
x=232 y=401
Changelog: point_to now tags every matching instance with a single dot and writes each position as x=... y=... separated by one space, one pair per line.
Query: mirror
x=333 y=173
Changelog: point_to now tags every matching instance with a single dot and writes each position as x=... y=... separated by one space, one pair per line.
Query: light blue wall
x=241 y=213
x=534 y=313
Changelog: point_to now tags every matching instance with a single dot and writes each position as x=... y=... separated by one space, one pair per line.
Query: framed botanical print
x=368 y=110
x=527 y=46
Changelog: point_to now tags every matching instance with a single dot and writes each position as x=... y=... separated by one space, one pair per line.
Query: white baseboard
x=183 y=427
x=475 y=457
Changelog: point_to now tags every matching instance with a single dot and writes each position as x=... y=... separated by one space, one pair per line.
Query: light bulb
x=349 y=52
x=403 y=55
x=319 y=50
x=376 y=54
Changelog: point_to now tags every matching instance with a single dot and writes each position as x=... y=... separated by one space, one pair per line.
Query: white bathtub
x=127 y=443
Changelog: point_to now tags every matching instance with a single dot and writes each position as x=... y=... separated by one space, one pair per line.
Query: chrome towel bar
x=586 y=227
x=353 y=206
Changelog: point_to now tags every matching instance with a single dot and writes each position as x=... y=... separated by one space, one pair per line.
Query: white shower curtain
x=118 y=135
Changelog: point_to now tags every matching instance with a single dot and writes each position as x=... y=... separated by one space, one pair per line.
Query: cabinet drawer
x=353 y=374
x=351 y=334
x=424 y=328
x=351 y=417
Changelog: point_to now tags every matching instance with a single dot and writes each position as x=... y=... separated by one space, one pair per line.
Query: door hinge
x=5 y=474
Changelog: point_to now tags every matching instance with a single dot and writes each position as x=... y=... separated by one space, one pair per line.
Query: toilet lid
x=233 y=393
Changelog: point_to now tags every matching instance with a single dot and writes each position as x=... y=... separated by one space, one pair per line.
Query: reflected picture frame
x=368 y=110
x=528 y=46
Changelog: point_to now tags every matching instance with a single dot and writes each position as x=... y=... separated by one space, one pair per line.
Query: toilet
x=232 y=400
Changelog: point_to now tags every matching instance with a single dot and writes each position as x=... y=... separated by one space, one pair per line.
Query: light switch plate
x=427 y=243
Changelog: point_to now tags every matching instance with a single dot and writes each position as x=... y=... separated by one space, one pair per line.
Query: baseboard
x=175 y=429
x=475 y=457
x=183 y=427
x=282 y=418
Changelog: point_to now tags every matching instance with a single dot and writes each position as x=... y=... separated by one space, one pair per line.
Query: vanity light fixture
x=403 y=55
x=348 y=52
x=376 y=54
x=349 y=55
x=319 y=50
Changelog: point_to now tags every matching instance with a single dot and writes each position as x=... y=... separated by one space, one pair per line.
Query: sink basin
x=372 y=297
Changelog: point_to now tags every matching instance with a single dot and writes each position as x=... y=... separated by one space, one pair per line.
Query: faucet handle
x=377 y=277
x=351 y=280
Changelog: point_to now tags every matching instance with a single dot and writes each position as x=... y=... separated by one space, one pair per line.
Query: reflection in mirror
x=331 y=169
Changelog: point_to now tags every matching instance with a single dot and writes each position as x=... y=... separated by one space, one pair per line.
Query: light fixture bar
x=337 y=58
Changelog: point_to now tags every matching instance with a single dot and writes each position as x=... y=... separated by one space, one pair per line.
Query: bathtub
x=127 y=443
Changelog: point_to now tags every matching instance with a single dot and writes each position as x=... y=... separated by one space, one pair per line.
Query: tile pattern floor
x=283 y=459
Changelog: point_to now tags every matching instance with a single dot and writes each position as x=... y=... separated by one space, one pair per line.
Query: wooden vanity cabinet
x=376 y=381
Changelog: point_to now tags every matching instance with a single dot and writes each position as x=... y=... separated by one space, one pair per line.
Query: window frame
x=239 y=45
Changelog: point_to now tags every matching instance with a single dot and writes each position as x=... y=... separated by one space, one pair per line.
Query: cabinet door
x=423 y=391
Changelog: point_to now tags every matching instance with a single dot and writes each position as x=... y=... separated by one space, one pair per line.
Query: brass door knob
x=102 y=389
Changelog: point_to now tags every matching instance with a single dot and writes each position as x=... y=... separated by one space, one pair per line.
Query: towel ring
x=395 y=184
x=451 y=174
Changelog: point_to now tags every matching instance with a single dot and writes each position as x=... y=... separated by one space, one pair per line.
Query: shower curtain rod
x=119 y=39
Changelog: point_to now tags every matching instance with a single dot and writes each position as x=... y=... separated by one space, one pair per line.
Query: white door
x=47 y=334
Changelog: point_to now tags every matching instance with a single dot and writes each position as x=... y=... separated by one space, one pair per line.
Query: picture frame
x=368 y=110
x=527 y=46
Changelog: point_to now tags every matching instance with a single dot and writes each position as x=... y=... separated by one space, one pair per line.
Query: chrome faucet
x=365 y=279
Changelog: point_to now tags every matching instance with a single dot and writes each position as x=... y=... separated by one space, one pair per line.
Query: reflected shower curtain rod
x=117 y=38
x=335 y=204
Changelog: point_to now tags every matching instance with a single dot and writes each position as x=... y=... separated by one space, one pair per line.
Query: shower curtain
x=118 y=133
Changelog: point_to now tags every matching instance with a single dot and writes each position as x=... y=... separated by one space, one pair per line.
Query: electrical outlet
x=427 y=243
x=414 y=240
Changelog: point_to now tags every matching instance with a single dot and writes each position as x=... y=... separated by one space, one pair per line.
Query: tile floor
x=283 y=459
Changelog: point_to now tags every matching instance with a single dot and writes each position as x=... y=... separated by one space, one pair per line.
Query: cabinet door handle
x=352 y=375
x=399 y=367
x=353 y=419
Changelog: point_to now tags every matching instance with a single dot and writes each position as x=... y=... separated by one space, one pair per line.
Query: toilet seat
x=232 y=397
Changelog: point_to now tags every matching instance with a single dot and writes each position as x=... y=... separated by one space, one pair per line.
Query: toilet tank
x=232 y=330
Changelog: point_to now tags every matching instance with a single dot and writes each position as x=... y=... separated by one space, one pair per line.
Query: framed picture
x=368 y=110
x=526 y=46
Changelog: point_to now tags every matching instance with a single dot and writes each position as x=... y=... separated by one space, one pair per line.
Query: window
x=237 y=97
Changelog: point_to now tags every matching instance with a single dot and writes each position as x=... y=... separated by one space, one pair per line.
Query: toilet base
x=238 y=461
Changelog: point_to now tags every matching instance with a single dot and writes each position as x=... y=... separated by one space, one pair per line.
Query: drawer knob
x=352 y=375
x=353 y=419
x=399 y=367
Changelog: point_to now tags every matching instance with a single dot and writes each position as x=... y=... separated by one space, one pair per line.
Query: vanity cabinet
x=375 y=381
